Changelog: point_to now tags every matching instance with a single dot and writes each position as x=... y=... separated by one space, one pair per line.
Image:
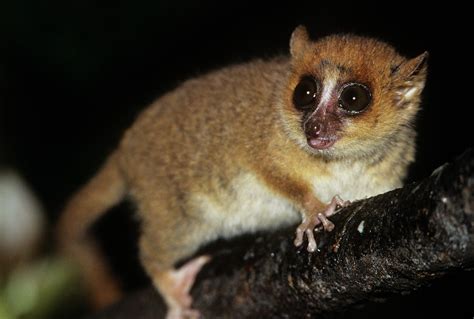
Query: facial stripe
x=328 y=87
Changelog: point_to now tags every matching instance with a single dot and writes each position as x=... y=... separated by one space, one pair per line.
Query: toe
x=327 y=224
x=311 y=241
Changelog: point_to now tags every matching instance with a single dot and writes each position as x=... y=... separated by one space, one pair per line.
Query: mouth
x=321 y=143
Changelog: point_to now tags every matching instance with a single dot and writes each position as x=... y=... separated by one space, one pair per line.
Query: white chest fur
x=350 y=181
x=246 y=206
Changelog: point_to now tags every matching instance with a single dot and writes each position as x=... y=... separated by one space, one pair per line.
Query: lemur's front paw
x=310 y=222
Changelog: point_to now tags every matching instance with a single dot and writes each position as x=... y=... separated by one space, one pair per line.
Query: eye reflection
x=305 y=93
x=354 y=97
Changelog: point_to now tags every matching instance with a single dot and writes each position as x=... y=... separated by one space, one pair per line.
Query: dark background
x=74 y=74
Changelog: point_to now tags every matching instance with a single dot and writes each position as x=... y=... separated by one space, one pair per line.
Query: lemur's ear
x=410 y=77
x=299 y=40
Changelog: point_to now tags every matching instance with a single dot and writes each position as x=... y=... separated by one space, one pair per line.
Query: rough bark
x=389 y=244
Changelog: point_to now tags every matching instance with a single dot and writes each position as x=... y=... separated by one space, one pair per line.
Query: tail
x=103 y=191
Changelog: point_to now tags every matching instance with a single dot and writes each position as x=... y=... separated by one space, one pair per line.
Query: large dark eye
x=305 y=93
x=354 y=97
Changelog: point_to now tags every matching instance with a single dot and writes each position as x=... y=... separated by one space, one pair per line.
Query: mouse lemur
x=251 y=147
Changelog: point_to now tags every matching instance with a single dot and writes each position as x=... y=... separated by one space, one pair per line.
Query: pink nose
x=312 y=128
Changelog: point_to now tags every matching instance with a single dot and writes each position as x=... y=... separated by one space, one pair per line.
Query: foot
x=178 y=298
x=175 y=313
x=310 y=222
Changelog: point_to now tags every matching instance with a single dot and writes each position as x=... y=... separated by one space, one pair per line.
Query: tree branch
x=392 y=243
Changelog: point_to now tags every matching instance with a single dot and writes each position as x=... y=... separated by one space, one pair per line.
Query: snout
x=319 y=135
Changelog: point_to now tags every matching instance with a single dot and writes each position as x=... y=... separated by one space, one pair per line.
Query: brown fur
x=187 y=156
